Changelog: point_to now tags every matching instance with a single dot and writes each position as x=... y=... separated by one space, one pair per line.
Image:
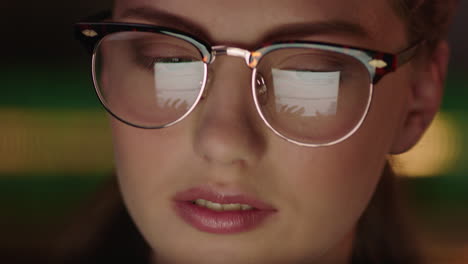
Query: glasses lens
x=310 y=95
x=148 y=79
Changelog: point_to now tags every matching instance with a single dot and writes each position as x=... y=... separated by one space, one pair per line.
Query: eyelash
x=148 y=62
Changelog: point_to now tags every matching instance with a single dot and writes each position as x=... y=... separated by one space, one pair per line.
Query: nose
x=228 y=130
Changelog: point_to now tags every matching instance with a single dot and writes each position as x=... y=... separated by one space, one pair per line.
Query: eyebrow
x=283 y=32
x=340 y=27
x=163 y=18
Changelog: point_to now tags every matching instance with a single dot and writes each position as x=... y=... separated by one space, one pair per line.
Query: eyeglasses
x=308 y=93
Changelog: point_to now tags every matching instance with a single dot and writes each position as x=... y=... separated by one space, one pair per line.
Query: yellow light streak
x=47 y=141
x=436 y=153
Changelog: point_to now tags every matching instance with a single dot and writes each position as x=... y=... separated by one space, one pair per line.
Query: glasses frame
x=378 y=64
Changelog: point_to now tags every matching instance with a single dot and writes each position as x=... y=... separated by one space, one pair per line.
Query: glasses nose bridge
x=232 y=51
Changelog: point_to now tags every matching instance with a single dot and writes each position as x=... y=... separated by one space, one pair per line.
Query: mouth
x=213 y=212
x=218 y=207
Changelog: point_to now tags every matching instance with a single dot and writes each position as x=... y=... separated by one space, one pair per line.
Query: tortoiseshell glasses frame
x=378 y=64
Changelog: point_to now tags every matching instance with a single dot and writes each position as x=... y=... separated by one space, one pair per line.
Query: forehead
x=365 y=23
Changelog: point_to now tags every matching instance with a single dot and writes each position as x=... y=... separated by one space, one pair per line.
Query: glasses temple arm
x=408 y=54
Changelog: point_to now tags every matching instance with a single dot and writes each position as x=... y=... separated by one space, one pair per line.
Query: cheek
x=336 y=184
x=390 y=106
x=325 y=191
x=141 y=157
x=332 y=186
x=147 y=162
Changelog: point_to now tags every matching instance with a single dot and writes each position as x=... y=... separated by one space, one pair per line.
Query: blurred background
x=55 y=147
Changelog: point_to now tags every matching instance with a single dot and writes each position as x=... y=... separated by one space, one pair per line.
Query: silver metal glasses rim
x=299 y=143
x=242 y=53
x=246 y=55
x=231 y=51
x=103 y=102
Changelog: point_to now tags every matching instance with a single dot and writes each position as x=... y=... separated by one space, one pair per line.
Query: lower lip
x=224 y=222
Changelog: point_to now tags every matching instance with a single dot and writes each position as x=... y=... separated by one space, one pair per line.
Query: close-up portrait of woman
x=258 y=131
x=262 y=131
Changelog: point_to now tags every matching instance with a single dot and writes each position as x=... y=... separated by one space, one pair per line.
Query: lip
x=224 y=222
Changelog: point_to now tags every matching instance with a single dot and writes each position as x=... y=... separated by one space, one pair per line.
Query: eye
x=148 y=53
x=174 y=60
x=148 y=62
x=311 y=63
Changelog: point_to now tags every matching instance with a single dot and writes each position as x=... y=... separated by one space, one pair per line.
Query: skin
x=319 y=193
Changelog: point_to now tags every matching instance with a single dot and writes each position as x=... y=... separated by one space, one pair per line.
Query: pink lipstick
x=213 y=212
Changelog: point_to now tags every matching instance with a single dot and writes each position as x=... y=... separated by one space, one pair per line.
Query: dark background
x=55 y=148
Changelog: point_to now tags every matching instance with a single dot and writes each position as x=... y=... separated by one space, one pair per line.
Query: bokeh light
x=49 y=141
x=436 y=153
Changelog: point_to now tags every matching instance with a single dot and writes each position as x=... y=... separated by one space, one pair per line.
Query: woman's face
x=308 y=200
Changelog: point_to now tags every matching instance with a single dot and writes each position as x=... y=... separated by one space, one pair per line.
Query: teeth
x=214 y=206
x=200 y=202
x=246 y=207
x=222 y=207
x=231 y=207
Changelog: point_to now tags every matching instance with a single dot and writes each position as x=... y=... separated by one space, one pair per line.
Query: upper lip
x=209 y=194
